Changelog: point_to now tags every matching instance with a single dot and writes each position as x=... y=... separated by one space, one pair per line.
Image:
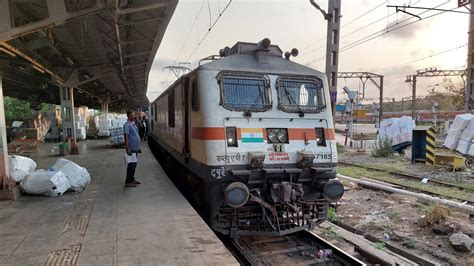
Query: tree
x=16 y=109
x=457 y=93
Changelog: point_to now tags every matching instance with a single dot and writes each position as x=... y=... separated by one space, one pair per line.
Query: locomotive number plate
x=323 y=156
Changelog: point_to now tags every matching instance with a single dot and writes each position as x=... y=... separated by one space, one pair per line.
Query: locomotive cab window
x=297 y=94
x=244 y=92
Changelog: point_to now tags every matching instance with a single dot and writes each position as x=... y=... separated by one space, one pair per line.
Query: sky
x=438 y=40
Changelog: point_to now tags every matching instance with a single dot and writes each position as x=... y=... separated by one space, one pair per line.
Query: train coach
x=250 y=134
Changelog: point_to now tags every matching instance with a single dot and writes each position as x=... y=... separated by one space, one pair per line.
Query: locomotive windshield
x=244 y=93
x=300 y=95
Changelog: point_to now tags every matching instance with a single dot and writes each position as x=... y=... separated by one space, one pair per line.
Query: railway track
x=302 y=248
x=419 y=179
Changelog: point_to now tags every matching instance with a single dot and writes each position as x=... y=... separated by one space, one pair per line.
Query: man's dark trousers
x=131 y=170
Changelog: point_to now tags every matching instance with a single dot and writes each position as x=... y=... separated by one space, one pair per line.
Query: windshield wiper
x=290 y=98
x=247 y=113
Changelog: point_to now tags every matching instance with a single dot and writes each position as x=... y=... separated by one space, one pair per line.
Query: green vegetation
x=437 y=214
x=449 y=94
x=458 y=180
x=383 y=148
x=381 y=246
x=450 y=192
x=332 y=216
x=392 y=214
x=19 y=110
x=331 y=232
x=341 y=148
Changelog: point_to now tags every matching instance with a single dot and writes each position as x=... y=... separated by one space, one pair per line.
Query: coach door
x=186 y=110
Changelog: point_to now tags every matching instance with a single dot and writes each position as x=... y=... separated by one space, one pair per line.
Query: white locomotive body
x=251 y=135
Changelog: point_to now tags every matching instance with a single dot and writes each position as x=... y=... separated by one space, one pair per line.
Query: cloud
x=398 y=29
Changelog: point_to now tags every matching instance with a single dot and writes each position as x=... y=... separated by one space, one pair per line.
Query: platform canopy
x=102 y=48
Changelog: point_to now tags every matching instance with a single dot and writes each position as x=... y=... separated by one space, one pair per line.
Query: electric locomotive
x=250 y=134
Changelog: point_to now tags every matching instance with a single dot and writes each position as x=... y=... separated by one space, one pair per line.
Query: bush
x=437 y=214
x=332 y=215
x=383 y=148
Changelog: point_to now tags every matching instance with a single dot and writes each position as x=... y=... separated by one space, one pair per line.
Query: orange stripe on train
x=208 y=133
x=218 y=133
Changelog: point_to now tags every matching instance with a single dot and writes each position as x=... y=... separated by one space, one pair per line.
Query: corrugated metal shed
x=104 y=48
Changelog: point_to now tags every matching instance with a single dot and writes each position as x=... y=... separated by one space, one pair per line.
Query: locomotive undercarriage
x=279 y=203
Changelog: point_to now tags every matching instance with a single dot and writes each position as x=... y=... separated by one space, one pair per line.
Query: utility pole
x=364 y=76
x=332 y=45
x=470 y=54
x=470 y=47
x=429 y=72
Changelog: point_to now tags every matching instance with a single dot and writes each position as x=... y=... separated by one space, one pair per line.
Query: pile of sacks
x=64 y=175
x=461 y=134
x=399 y=130
x=105 y=123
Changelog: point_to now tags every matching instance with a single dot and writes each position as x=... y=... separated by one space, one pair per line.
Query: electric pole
x=429 y=72
x=364 y=76
x=470 y=52
x=332 y=45
x=470 y=70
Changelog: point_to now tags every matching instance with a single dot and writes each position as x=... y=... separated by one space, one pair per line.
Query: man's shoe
x=131 y=184
x=136 y=182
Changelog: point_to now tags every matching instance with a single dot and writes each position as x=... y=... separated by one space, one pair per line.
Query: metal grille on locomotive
x=251 y=135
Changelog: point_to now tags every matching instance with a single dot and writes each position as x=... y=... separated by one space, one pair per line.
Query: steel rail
x=407 y=176
x=245 y=250
x=394 y=249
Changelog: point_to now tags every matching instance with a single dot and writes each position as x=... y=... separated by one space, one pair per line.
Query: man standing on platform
x=132 y=147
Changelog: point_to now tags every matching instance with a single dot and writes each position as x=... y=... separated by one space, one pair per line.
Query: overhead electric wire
x=345 y=25
x=380 y=33
x=358 y=29
x=190 y=30
x=362 y=15
x=427 y=57
x=383 y=32
x=209 y=30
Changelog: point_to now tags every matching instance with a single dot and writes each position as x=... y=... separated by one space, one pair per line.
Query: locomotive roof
x=242 y=59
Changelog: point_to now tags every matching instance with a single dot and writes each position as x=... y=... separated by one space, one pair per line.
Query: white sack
x=399 y=130
x=461 y=121
x=49 y=183
x=77 y=176
x=463 y=146
x=467 y=135
x=451 y=142
x=471 y=150
x=455 y=131
x=20 y=166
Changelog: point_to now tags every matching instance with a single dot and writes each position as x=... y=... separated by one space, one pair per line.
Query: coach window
x=194 y=96
x=171 y=109
x=300 y=94
x=244 y=92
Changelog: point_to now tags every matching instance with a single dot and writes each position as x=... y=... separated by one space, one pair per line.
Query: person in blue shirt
x=132 y=146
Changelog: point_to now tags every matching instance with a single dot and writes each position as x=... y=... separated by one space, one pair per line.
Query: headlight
x=231 y=136
x=272 y=136
x=333 y=190
x=236 y=194
x=282 y=136
x=320 y=137
x=277 y=135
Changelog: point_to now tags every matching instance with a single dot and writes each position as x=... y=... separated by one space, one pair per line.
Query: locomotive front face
x=275 y=161
x=254 y=132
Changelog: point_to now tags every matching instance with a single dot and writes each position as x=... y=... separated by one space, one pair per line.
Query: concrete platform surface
x=108 y=224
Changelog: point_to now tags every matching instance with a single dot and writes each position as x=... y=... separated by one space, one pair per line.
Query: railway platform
x=107 y=224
